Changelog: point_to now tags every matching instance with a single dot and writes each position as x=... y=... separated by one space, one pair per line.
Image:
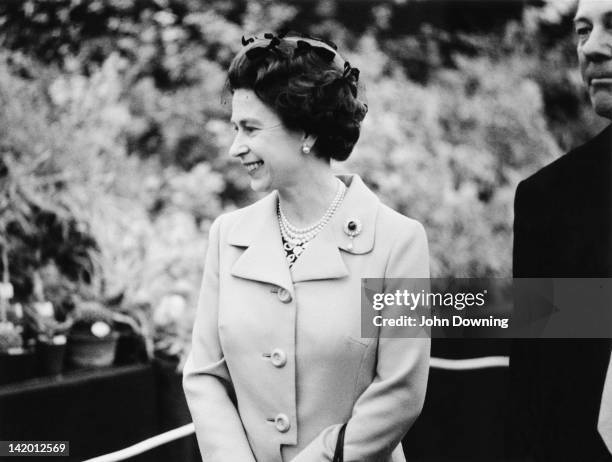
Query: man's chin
x=602 y=103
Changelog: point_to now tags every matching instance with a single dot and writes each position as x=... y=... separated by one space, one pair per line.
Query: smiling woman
x=270 y=152
x=279 y=370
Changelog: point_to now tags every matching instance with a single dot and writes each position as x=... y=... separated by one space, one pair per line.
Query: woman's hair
x=308 y=84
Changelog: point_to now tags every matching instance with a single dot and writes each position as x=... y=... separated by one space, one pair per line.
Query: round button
x=278 y=357
x=283 y=295
x=281 y=422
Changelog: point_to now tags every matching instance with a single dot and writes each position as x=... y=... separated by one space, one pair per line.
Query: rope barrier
x=146 y=445
x=469 y=364
x=186 y=430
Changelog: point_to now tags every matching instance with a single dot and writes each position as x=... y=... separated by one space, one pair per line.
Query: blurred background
x=114 y=138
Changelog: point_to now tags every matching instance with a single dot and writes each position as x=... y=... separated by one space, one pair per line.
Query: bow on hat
x=261 y=52
x=319 y=39
x=350 y=77
x=303 y=48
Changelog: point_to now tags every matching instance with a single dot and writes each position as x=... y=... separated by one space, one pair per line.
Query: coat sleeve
x=529 y=237
x=531 y=230
x=388 y=407
x=206 y=379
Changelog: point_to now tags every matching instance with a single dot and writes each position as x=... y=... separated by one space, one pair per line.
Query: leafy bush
x=451 y=153
x=9 y=337
x=88 y=313
x=40 y=222
x=113 y=150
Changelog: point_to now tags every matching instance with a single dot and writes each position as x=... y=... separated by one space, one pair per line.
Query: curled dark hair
x=308 y=85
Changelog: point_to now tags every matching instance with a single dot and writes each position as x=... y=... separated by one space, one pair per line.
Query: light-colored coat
x=278 y=364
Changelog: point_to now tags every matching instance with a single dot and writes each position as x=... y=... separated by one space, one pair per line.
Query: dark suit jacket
x=562 y=229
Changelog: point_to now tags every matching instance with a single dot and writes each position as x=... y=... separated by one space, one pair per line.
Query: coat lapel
x=323 y=258
x=264 y=258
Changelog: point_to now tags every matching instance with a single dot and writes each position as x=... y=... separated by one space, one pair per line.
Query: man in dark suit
x=562 y=229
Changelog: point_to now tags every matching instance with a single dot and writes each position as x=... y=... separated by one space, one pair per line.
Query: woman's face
x=270 y=153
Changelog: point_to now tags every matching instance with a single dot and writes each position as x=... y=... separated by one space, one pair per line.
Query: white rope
x=469 y=364
x=186 y=430
x=146 y=445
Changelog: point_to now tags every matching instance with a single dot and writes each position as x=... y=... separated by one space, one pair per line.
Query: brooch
x=352 y=228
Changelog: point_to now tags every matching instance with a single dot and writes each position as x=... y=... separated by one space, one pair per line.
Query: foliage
x=88 y=314
x=466 y=130
x=9 y=337
x=40 y=221
x=173 y=319
x=46 y=328
x=113 y=133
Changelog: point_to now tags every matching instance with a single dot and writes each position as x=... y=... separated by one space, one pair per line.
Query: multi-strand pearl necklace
x=296 y=238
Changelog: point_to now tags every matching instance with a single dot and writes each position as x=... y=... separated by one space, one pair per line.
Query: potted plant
x=92 y=339
x=46 y=323
x=50 y=336
x=135 y=344
x=16 y=362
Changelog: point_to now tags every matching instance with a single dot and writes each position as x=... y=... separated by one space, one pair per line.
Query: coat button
x=282 y=424
x=278 y=357
x=283 y=295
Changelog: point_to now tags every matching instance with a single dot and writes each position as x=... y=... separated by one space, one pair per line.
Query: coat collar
x=264 y=259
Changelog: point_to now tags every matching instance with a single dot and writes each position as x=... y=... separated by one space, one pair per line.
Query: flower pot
x=90 y=351
x=17 y=365
x=131 y=348
x=50 y=357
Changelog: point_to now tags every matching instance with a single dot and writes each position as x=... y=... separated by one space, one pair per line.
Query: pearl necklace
x=296 y=238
